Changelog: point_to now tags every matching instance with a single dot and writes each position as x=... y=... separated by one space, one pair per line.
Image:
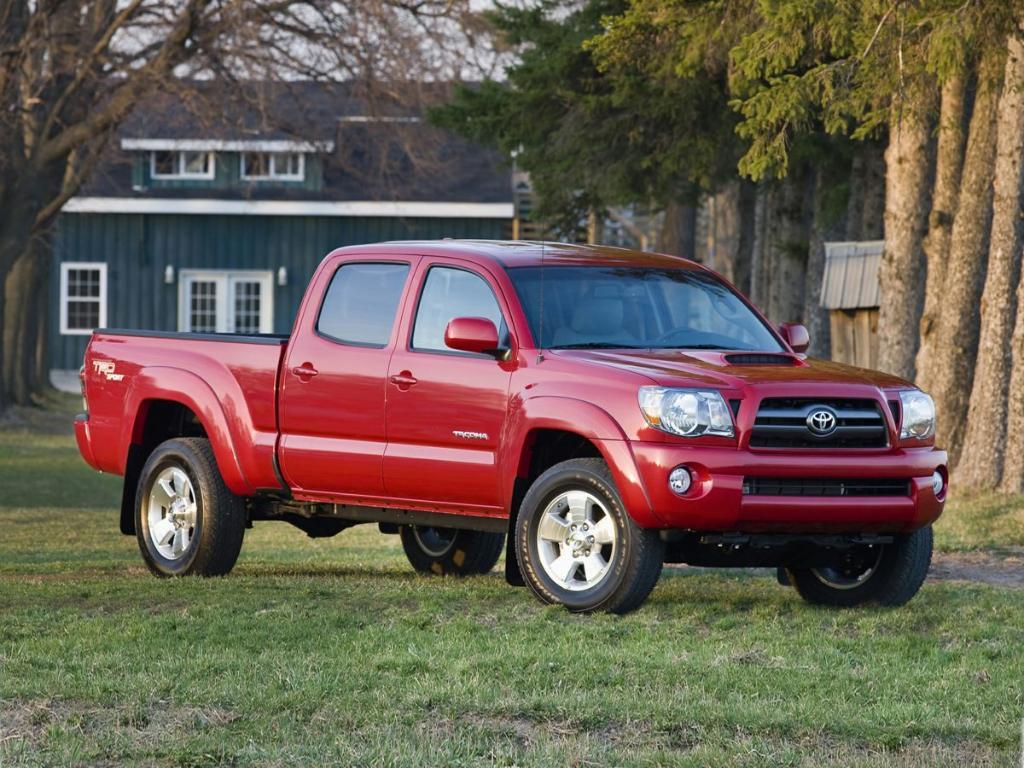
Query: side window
x=449 y=293
x=361 y=303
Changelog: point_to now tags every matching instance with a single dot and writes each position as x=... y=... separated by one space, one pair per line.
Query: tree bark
x=24 y=364
x=822 y=229
x=956 y=344
x=724 y=229
x=1013 y=462
x=762 y=212
x=981 y=463
x=679 y=231
x=946 y=192
x=787 y=251
x=872 y=208
x=902 y=267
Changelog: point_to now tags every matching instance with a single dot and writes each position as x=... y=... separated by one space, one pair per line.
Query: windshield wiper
x=701 y=346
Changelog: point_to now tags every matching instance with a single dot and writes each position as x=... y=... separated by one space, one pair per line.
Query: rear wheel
x=889 y=574
x=450 y=551
x=578 y=547
x=187 y=522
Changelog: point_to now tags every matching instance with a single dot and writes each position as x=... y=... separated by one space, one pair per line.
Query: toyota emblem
x=822 y=422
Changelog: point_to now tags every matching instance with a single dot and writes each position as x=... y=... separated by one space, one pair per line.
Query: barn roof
x=851 y=275
x=375 y=147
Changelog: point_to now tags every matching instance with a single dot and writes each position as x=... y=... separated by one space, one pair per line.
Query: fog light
x=679 y=480
x=938 y=482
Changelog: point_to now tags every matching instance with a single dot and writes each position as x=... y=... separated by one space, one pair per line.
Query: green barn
x=190 y=224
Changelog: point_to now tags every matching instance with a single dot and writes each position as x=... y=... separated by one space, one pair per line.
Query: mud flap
x=782 y=576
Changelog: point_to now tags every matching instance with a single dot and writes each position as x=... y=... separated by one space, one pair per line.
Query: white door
x=225 y=302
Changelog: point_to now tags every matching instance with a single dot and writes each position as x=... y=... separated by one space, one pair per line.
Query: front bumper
x=716 y=501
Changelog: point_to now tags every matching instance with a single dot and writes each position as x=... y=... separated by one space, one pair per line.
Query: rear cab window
x=361 y=303
x=450 y=292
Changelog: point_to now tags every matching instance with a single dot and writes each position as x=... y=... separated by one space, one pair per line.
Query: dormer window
x=273 y=166
x=171 y=164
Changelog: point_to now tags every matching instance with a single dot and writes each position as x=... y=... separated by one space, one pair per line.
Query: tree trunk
x=872 y=208
x=43 y=314
x=724 y=230
x=1013 y=462
x=902 y=267
x=956 y=343
x=26 y=308
x=744 y=258
x=762 y=212
x=787 y=251
x=815 y=317
x=981 y=463
x=946 y=192
x=18 y=326
x=679 y=230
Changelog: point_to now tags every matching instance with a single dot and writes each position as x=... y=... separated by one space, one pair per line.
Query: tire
x=209 y=519
x=899 y=571
x=450 y=551
x=581 y=492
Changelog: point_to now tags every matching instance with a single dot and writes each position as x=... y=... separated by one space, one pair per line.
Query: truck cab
x=593 y=412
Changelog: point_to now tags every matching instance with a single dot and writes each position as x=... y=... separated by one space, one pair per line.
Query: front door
x=446 y=409
x=210 y=301
x=333 y=383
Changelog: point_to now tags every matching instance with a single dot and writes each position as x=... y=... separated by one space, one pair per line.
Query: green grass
x=331 y=652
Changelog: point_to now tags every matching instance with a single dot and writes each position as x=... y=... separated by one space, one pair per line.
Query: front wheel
x=578 y=547
x=888 y=574
x=444 y=551
x=186 y=520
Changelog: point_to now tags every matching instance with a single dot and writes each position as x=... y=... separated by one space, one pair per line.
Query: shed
x=849 y=291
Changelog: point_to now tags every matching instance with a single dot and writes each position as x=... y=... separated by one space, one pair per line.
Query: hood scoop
x=760 y=358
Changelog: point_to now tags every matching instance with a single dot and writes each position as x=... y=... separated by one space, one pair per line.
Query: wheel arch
x=183 y=405
x=548 y=430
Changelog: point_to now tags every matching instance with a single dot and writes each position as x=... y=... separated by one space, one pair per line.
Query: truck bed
x=229 y=381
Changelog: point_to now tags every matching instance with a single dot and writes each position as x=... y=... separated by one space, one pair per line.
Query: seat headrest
x=598 y=317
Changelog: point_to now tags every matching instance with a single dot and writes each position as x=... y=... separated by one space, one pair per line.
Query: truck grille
x=783 y=423
x=824 y=486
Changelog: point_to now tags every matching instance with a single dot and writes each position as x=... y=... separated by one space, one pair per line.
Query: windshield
x=598 y=307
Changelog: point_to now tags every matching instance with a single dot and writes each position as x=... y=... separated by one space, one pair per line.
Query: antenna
x=540 y=341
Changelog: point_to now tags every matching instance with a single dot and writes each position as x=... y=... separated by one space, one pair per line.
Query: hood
x=734 y=369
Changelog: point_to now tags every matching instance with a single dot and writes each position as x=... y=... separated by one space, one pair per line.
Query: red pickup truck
x=605 y=410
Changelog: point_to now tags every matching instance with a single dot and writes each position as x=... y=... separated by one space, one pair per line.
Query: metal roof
x=851 y=275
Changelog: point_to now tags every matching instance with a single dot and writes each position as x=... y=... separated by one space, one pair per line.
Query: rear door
x=333 y=383
x=446 y=409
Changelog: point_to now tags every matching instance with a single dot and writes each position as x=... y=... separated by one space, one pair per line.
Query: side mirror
x=796 y=336
x=472 y=334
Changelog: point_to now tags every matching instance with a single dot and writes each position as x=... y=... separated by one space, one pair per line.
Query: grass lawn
x=331 y=651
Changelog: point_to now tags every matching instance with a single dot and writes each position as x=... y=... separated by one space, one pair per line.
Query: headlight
x=918 y=421
x=686 y=412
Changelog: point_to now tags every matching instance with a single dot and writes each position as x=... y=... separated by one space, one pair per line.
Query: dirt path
x=999 y=570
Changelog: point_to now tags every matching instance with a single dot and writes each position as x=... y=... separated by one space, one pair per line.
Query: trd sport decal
x=107 y=368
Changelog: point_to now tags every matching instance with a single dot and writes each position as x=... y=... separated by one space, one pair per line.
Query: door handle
x=404 y=380
x=305 y=371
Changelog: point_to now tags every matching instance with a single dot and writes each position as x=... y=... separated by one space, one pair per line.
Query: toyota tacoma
x=593 y=412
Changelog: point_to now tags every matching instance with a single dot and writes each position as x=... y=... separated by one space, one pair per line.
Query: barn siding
x=138 y=247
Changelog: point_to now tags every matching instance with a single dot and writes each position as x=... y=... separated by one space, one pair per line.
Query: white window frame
x=180 y=173
x=67 y=266
x=273 y=175
x=226 y=281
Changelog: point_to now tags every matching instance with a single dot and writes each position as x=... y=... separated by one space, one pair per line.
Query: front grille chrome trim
x=782 y=423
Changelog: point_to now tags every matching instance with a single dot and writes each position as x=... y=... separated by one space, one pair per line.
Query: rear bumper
x=84 y=439
x=716 y=501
